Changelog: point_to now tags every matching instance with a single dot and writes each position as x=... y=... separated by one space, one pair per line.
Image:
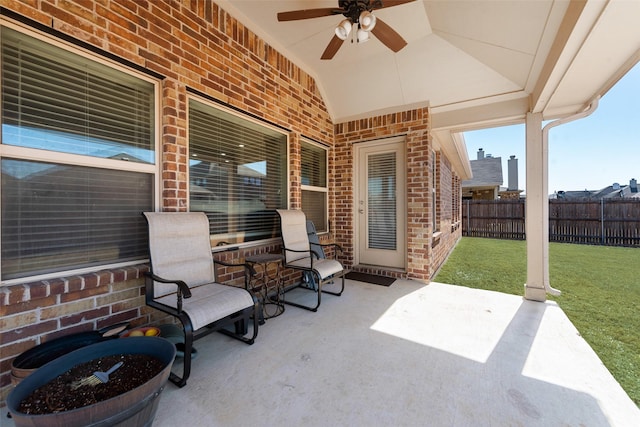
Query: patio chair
x=182 y=283
x=299 y=255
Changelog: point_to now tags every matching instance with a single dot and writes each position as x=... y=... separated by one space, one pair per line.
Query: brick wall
x=448 y=193
x=415 y=126
x=193 y=45
x=196 y=45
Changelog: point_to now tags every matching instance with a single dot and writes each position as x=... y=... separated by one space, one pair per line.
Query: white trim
x=314 y=188
x=57 y=157
x=69 y=273
x=246 y=117
x=234 y=112
x=357 y=149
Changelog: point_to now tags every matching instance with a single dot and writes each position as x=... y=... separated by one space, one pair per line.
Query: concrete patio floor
x=405 y=355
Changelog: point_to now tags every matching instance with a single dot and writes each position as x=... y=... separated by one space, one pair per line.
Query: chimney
x=633 y=185
x=480 y=154
x=513 y=173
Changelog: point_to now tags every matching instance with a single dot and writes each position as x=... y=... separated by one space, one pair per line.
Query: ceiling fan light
x=363 y=36
x=367 y=20
x=343 y=29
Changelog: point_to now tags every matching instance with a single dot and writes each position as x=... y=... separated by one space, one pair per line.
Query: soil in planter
x=58 y=395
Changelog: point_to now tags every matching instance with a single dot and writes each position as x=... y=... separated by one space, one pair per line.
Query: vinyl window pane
x=314 y=165
x=57 y=217
x=237 y=174
x=56 y=100
x=314 y=184
x=314 y=206
x=382 y=190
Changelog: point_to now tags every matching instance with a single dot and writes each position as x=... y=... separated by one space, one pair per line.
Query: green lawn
x=600 y=292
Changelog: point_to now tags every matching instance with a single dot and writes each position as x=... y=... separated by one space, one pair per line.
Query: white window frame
x=434 y=193
x=31 y=154
x=216 y=105
x=324 y=228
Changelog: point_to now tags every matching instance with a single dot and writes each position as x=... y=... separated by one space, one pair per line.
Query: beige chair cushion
x=180 y=249
x=324 y=267
x=294 y=234
x=211 y=302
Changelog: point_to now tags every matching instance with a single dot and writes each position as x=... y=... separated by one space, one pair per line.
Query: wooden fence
x=594 y=222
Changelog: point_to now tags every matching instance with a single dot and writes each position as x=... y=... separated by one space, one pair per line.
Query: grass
x=600 y=292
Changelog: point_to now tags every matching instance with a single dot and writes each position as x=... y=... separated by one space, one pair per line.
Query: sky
x=589 y=153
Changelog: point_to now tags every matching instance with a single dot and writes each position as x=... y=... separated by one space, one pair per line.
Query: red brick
x=16 y=294
x=75 y=284
x=28 y=331
x=56 y=286
x=123 y=316
x=10 y=351
x=28 y=305
x=84 y=316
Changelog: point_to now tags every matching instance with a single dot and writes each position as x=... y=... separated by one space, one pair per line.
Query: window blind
x=56 y=100
x=56 y=216
x=314 y=206
x=314 y=165
x=435 y=215
x=314 y=184
x=382 y=186
x=237 y=173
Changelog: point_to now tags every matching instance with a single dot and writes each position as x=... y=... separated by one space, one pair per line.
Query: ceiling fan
x=358 y=18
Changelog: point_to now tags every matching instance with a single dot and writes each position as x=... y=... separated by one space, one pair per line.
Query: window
x=237 y=173
x=455 y=199
x=314 y=184
x=382 y=201
x=434 y=192
x=77 y=159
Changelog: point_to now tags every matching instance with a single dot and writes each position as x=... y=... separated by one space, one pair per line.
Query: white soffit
x=609 y=50
x=474 y=62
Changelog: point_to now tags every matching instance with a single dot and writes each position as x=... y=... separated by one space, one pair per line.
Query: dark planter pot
x=26 y=363
x=135 y=408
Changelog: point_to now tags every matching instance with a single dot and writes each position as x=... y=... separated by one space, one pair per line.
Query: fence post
x=468 y=219
x=602 y=222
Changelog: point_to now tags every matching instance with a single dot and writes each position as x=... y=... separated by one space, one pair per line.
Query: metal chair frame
x=237 y=321
x=315 y=258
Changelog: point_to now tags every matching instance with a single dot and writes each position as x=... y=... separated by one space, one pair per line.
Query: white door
x=380 y=200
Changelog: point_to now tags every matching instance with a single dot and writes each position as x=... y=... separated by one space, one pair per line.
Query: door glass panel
x=381 y=183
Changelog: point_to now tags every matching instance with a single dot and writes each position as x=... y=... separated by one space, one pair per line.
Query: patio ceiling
x=475 y=63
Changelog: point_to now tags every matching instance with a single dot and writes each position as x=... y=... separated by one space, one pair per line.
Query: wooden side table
x=268 y=278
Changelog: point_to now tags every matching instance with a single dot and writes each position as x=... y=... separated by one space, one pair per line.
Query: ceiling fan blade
x=388 y=36
x=295 y=15
x=391 y=3
x=332 y=48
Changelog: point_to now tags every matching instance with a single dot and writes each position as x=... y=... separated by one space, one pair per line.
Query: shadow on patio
x=410 y=354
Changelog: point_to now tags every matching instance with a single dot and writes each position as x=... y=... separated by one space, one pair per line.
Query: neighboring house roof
x=487 y=172
x=574 y=195
x=615 y=191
